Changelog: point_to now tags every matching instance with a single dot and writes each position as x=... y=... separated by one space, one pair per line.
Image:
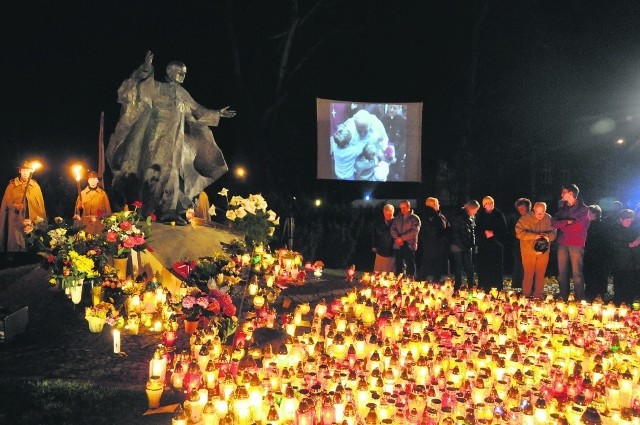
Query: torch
x=34 y=166
x=76 y=169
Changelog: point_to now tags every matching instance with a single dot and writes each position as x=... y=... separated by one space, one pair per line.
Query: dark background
x=511 y=90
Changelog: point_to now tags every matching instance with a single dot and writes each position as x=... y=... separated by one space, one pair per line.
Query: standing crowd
x=478 y=240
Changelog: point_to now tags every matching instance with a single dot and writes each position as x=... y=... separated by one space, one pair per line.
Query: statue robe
x=162 y=151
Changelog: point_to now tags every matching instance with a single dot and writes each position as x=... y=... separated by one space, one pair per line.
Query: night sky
x=544 y=71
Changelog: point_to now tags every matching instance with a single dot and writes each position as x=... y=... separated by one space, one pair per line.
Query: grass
x=59 y=402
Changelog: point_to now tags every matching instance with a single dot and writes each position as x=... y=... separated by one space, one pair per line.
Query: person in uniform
x=22 y=201
x=92 y=204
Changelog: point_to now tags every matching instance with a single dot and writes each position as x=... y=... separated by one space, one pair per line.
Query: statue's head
x=176 y=72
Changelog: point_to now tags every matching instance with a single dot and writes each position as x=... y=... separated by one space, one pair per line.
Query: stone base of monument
x=170 y=244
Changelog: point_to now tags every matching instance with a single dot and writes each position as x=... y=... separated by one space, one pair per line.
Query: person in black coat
x=382 y=241
x=597 y=252
x=491 y=233
x=463 y=242
x=433 y=241
x=625 y=256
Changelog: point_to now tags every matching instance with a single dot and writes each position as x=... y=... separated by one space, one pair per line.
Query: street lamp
x=240 y=172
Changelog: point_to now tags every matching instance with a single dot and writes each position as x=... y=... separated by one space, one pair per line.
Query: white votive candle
x=116 y=341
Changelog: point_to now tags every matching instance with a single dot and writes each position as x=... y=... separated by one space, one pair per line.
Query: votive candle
x=116 y=341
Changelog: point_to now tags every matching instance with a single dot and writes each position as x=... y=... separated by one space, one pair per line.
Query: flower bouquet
x=251 y=216
x=220 y=267
x=125 y=231
x=100 y=314
x=113 y=289
x=217 y=306
x=216 y=272
x=71 y=254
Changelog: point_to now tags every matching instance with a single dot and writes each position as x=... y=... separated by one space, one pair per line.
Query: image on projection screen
x=378 y=142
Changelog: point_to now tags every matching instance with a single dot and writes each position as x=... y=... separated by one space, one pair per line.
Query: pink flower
x=202 y=302
x=137 y=204
x=129 y=242
x=188 y=301
x=138 y=240
x=112 y=236
x=125 y=225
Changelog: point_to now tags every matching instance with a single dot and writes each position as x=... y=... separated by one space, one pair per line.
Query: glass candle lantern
x=179 y=416
x=177 y=377
x=158 y=365
x=154 y=390
x=133 y=323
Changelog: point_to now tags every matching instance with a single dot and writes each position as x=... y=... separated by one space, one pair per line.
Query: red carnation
x=138 y=240
x=51 y=258
x=125 y=225
x=129 y=242
x=229 y=310
x=153 y=217
x=112 y=236
x=137 y=204
x=214 y=306
x=226 y=299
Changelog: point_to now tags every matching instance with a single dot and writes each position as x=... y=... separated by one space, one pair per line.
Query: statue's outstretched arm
x=145 y=70
x=227 y=113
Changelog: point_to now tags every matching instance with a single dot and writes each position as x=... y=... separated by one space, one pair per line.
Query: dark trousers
x=463 y=261
x=405 y=260
x=517 y=275
x=596 y=276
x=490 y=265
x=625 y=286
x=433 y=264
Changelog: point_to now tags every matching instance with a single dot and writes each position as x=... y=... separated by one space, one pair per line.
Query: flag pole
x=101 y=151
